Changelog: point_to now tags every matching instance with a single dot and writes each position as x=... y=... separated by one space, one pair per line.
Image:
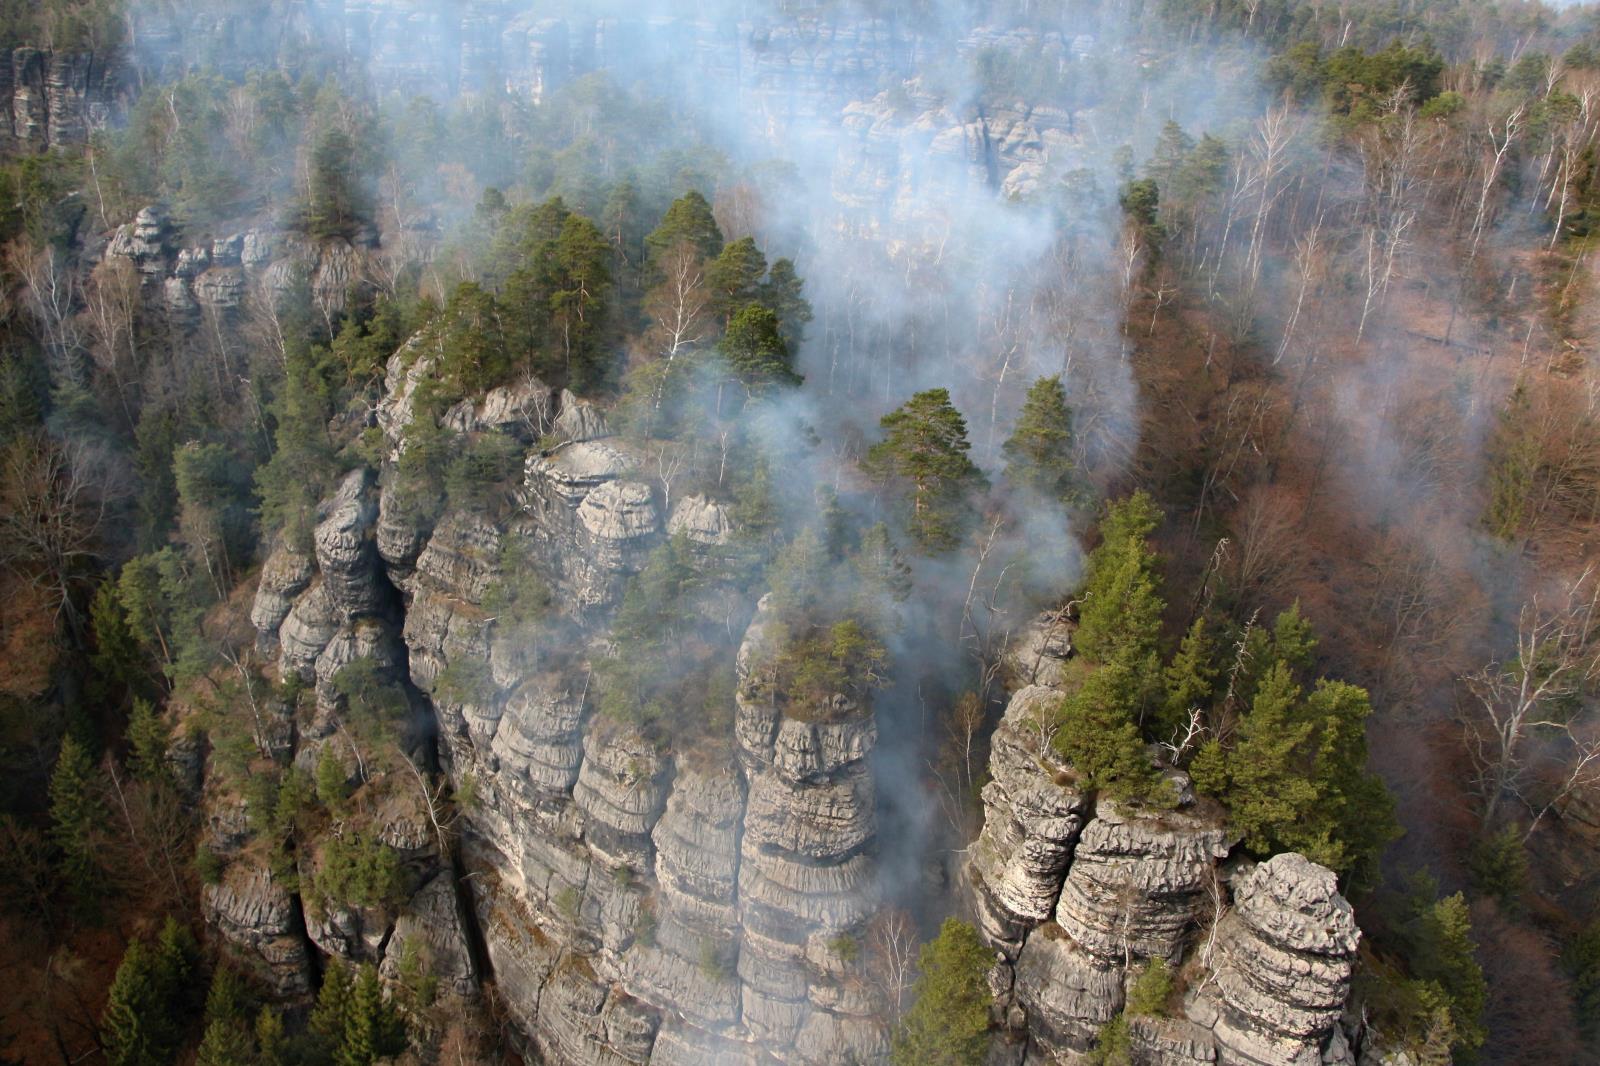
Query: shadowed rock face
x=54 y=99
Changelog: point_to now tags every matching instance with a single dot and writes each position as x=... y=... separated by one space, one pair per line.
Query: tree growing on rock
x=924 y=455
x=1120 y=616
x=1296 y=778
x=948 y=1022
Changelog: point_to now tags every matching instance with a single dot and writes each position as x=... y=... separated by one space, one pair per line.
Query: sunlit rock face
x=635 y=903
x=1077 y=894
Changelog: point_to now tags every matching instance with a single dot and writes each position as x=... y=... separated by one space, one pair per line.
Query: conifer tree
x=783 y=292
x=302 y=467
x=579 y=301
x=149 y=1003
x=332 y=1008
x=688 y=221
x=734 y=277
x=269 y=1037
x=948 y=1022
x=1121 y=612
x=225 y=1044
x=1098 y=734
x=76 y=816
x=755 y=351
x=924 y=452
x=372 y=1028
x=148 y=740
x=1188 y=681
x=1296 y=778
x=1444 y=953
x=1038 y=454
x=117 y=665
x=132 y=1022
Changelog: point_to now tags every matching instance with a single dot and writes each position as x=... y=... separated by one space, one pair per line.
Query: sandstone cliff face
x=54 y=99
x=217 y=276
x=1077 y=896
x=634 y=904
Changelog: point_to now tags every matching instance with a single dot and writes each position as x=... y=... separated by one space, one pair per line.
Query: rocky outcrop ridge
x=218 y=275
x=1077 y=894
x=634 y=904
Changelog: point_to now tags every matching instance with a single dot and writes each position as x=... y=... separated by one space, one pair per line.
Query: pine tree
x=755 y=350
x=336 y=203
x=579 y=302
x=1038 y=454
x=1120 y=616
x=948 y=1022
x=924 y=451
x=784 y=293
x=687 y=221
x=76 y=817
x=734 y=277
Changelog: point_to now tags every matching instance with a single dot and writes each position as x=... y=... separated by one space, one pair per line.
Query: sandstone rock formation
x=1076 y=895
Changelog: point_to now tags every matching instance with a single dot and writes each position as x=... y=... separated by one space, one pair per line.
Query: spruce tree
x=948 y=1022
x=1120 y=616
x=924 y=453
x=226 y=1044
x=131 y=1026
x=117 y=665
x=1099 y=737
x=1296 y=778
x=372 y=1029
x=150 y=1000
x=148 y=740
x=1444 y=953
x=332 y=1008
x=1038 y=454
x=1188 y=681
x=76 y=817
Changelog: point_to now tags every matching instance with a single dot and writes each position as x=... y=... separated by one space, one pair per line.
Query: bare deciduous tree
x=1519 y=714
x=52 y=506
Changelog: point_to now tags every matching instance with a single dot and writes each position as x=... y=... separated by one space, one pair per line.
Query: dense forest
x=1233 y=357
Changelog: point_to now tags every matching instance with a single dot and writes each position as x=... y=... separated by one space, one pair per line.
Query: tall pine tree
x=924 y=455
